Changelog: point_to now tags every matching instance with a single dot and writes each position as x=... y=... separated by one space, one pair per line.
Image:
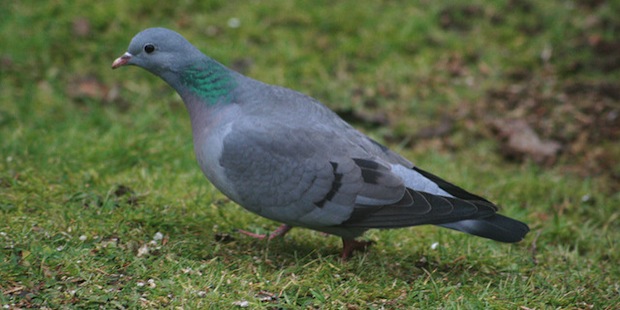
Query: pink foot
x=279 y=232
x=351 y=245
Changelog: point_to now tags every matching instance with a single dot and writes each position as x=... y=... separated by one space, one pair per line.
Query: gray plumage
x=287 y=157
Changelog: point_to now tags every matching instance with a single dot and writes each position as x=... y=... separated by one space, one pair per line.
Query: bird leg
x=351 y=245
x=279 y=232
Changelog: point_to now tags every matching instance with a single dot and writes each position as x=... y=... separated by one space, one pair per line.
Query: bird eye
x=149 y=48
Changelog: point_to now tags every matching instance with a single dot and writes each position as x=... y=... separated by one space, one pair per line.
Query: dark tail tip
x=496 y=227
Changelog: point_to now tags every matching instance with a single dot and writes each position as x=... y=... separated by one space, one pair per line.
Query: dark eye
x=149 y=48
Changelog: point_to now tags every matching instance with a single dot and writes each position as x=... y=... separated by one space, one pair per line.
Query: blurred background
x=541 y=80
x=518 y=101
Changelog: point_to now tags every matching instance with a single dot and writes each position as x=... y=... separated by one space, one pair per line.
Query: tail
x=429 y=199
x=476 y=217
x=496 y=227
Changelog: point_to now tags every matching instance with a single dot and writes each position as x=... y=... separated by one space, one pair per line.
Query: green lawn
x=102 y=204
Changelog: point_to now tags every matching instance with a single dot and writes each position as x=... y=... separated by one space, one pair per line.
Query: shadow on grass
x=302 y=248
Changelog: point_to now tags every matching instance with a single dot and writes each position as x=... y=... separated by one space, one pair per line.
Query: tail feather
x=496 y=227
x=458 y=209
x=419 y=208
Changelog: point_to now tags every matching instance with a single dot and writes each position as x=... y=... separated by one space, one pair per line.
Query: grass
x=103 y=205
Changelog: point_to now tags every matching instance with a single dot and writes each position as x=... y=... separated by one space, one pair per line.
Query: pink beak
x=121 y=61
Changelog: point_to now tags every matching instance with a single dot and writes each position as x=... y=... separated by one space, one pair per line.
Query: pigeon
x=287 y=157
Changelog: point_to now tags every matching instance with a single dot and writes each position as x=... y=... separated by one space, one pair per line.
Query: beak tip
x=121 y=61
